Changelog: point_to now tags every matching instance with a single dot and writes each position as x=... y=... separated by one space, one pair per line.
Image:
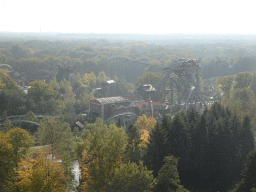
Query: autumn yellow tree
x=145 y=125
x=6 y=163
x=20 y=141
x=41 y=174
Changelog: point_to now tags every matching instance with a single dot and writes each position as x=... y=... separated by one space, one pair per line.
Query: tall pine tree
x=246 y=138
x=132 y=148
x=156 y=149
x=168 y=177
x=200 y=146
x=248 y=180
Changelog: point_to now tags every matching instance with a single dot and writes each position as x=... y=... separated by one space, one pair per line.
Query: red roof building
x=150 y=108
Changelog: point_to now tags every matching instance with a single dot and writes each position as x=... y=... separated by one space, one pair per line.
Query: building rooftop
x=107 y=100
x=147 y=87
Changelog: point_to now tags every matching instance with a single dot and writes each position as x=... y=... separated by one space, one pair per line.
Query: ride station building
x=107 y=107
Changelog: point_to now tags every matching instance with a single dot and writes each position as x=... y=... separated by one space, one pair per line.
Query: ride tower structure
x=186 y=84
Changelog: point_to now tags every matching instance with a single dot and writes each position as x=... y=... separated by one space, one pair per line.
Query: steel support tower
x=186 y=84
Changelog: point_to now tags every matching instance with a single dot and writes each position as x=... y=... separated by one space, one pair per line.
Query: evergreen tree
x=217 y=172
x=4 y=102
x=226 y=154
x=216 y=110
x=248 y=180
x=7 y=126
x=246 y=138
x=166 y=122
x=30 y=116
x=199 y=140
x=200 y=147
x=179 y=142
x=168 y=177
x=211 y=159
x=132 y=147
x=235 y=161
x=156 y=149
x=192 y=116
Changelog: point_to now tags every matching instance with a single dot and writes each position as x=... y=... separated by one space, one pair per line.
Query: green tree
x=66 y=89
x=31 y=116
x=105 y=150
x=89 y=79
x=253 y=85
x=58 y=134
x=40 y=90
x=243 y=102
x=54 y=84
x=83 y=103
x=122 y=87
x=101 y=78
x=19 y=51
x=131 y=177
x=149 y=77
x=225 y=84
x=55 y=133
x=168 y=177
x=243 y=79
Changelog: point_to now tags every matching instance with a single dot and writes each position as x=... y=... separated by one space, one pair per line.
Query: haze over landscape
x=135 y=17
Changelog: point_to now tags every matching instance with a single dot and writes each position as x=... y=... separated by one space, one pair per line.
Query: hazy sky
x=128 y=16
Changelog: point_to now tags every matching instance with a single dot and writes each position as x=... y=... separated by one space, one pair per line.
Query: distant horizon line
x=93 y=33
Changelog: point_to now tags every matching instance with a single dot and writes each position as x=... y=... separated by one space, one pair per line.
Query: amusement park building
x=151 y=108
x=107 y=107
x=147 y=91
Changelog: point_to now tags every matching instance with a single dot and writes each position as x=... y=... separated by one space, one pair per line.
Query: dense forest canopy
x=216 y=59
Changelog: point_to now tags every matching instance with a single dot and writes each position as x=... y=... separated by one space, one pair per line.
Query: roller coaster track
x=7 y=68
x=40 y=116
x=22 y=121
x=123 y=115
x=124 y=59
